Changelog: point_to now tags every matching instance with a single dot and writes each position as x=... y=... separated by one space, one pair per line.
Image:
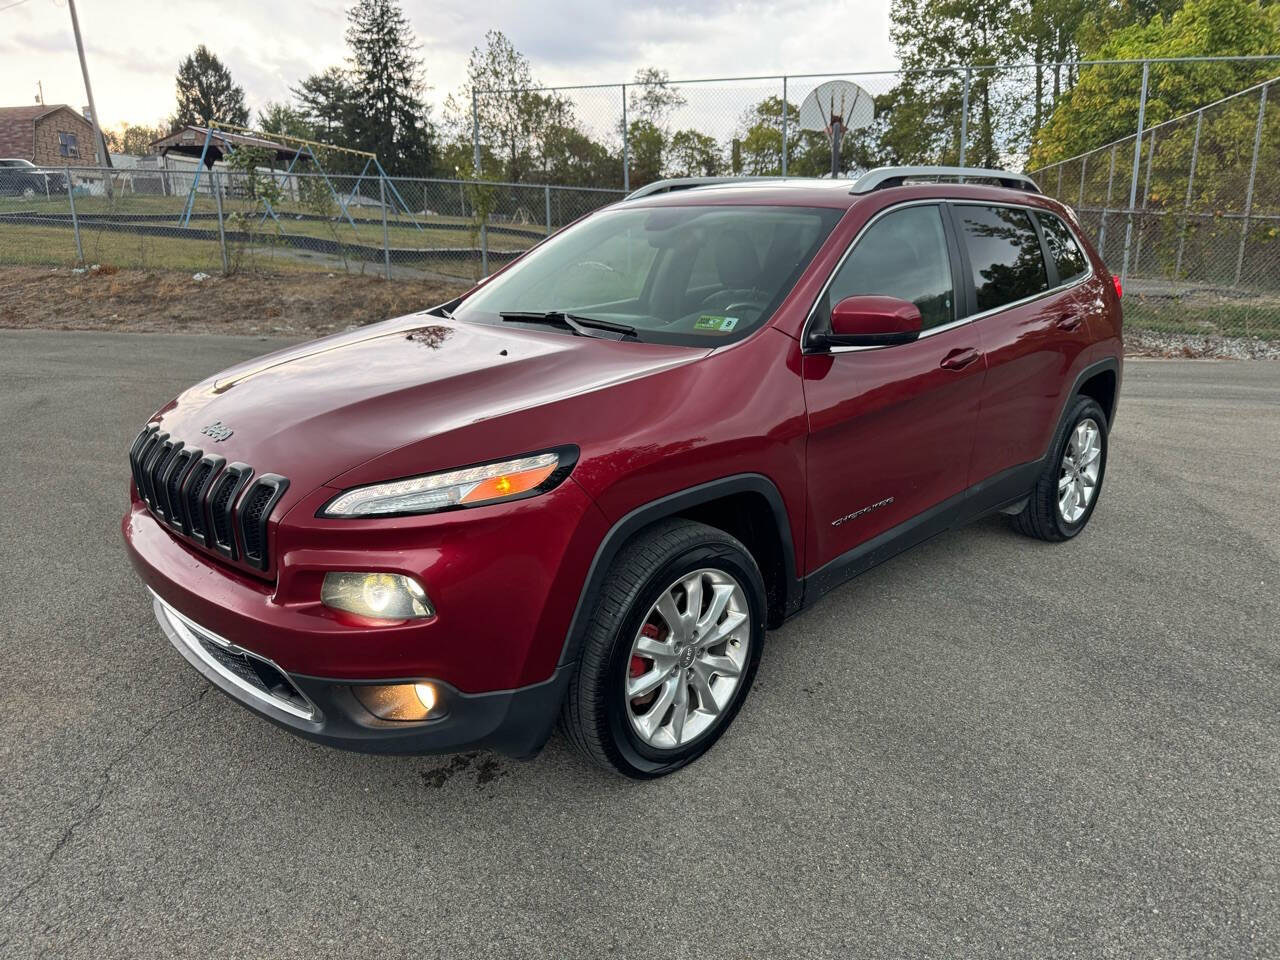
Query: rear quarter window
x=1067 y=256
x=1004 y=254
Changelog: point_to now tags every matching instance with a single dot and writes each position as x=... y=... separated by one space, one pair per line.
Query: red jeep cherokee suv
x=585 y=488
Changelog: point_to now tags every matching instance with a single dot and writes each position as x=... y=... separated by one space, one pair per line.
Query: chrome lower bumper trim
x=196 y=641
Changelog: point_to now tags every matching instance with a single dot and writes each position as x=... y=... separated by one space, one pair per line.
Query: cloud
x=134 y=49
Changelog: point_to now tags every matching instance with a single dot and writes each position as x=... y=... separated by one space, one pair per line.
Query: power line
x=12 y=5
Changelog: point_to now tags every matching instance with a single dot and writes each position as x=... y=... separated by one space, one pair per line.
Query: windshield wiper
x=578 y=324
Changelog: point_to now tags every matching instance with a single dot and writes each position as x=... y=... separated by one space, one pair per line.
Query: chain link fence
x=230 y=221
x=1188 y=214
x=1191 y=230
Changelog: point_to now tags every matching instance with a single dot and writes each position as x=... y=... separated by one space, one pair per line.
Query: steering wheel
x=732 y=300
x=593 y=265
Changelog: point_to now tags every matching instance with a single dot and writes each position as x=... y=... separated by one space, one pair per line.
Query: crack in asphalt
x=100 y=796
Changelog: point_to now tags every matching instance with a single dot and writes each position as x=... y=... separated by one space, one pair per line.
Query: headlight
x=380 y=596
x=488 y=483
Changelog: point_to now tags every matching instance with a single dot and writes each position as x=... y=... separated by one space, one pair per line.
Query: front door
x=891 y=429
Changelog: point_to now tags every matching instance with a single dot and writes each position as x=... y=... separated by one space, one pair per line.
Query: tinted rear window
x=1066 y=253
x=1004 y=252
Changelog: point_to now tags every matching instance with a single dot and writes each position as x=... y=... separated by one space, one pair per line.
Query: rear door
x=1034 y=327
x=891 y=428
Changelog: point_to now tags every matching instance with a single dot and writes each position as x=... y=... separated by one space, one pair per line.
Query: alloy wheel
x=688 y=658
x=1081 y=464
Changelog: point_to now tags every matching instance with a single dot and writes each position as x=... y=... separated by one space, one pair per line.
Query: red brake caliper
x=639 y=665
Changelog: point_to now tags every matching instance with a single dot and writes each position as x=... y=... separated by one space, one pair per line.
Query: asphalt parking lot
x=986 y=747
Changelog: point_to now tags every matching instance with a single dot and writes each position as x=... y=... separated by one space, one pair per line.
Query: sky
x=133 y=46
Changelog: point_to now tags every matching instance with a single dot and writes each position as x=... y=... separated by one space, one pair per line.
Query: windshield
x=694 y=275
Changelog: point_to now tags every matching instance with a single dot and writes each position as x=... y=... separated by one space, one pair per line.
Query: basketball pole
x=837 y=133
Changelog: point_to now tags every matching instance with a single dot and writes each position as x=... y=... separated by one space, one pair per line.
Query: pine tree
x=391 y=118
x=207 y=93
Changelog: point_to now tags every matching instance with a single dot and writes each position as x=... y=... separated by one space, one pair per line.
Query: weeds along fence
x=151 y=218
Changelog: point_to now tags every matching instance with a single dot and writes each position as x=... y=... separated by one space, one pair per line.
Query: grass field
x=1259 y=318
x=269 y=248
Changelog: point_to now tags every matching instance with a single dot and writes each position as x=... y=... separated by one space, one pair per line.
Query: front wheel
x=670 y=653
x=1067 y=491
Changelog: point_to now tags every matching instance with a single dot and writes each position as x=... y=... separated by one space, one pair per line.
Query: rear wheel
x=1067 y=491
x=670 y=653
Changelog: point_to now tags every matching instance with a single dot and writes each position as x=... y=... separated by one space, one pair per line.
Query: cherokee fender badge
x=857 y=513
x=218 y=430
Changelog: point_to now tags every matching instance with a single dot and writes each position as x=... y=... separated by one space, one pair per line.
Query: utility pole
x=39 y=93
x=101 y=143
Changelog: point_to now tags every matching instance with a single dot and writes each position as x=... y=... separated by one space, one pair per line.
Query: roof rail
x=883 y=177
x=687 y=183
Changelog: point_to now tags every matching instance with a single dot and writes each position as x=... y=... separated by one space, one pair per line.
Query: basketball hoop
x=835 y=108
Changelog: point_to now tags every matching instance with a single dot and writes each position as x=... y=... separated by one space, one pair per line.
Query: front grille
x=205 y=498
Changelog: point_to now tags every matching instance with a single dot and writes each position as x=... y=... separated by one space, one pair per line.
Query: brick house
x=46 y=134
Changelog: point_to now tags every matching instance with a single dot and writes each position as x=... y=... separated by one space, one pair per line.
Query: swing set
x=221 y=140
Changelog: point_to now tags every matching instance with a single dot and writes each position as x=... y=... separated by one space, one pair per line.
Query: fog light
x=400 y=701
x=380 y=596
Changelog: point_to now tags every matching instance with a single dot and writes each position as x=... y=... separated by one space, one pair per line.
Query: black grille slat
x=153 y=449
x=174 y=477
x=194 y=490
x=168 y=450
x=135 y=454
x=220 y=533
x=255 y=509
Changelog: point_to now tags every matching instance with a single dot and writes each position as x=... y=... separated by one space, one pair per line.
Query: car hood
x=315 y=411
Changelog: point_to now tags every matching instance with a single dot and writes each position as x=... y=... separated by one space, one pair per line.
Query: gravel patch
x=1151 y=343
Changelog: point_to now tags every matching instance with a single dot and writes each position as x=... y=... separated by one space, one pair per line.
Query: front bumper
x=514 y=722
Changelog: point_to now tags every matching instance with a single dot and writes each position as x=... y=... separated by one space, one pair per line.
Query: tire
x=599 y=718
x=1044 y=516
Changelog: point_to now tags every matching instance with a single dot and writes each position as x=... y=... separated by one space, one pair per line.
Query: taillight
x=1116 y=283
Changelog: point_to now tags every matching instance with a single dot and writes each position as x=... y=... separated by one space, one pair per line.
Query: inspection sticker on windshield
x=719 y=324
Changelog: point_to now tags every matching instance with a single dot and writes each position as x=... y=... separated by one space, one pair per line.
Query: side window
x=1004 y=252
x=1066 y=253
x=903 y=255
x=68 y=145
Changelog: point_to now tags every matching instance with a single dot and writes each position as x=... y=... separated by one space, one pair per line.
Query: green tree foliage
x=1103 y=105
x=326 y=101
x=693 y=154
x=133 y=138
x=933 y=33
x=283 y=118
x=206 y=92
x=385 y=75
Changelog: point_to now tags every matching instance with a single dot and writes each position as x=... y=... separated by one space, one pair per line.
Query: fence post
x=547 y=197
x=75 y=223
x=1058 y=192
x=1186 y=204
x=222 y=230
x=1102 y=229
x=1146 y=196
x=1253 y=174
x=784 y=126
x=1137 y=164
x=475 y=147
x=1084 y=165
x=626 y=144
x=386 y=241
x=964 y=114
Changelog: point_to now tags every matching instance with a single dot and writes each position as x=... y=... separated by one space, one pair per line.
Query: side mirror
x=871 y=321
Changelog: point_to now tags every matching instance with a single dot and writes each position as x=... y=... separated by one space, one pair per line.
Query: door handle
x=1068 y=321
x=959 y=358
